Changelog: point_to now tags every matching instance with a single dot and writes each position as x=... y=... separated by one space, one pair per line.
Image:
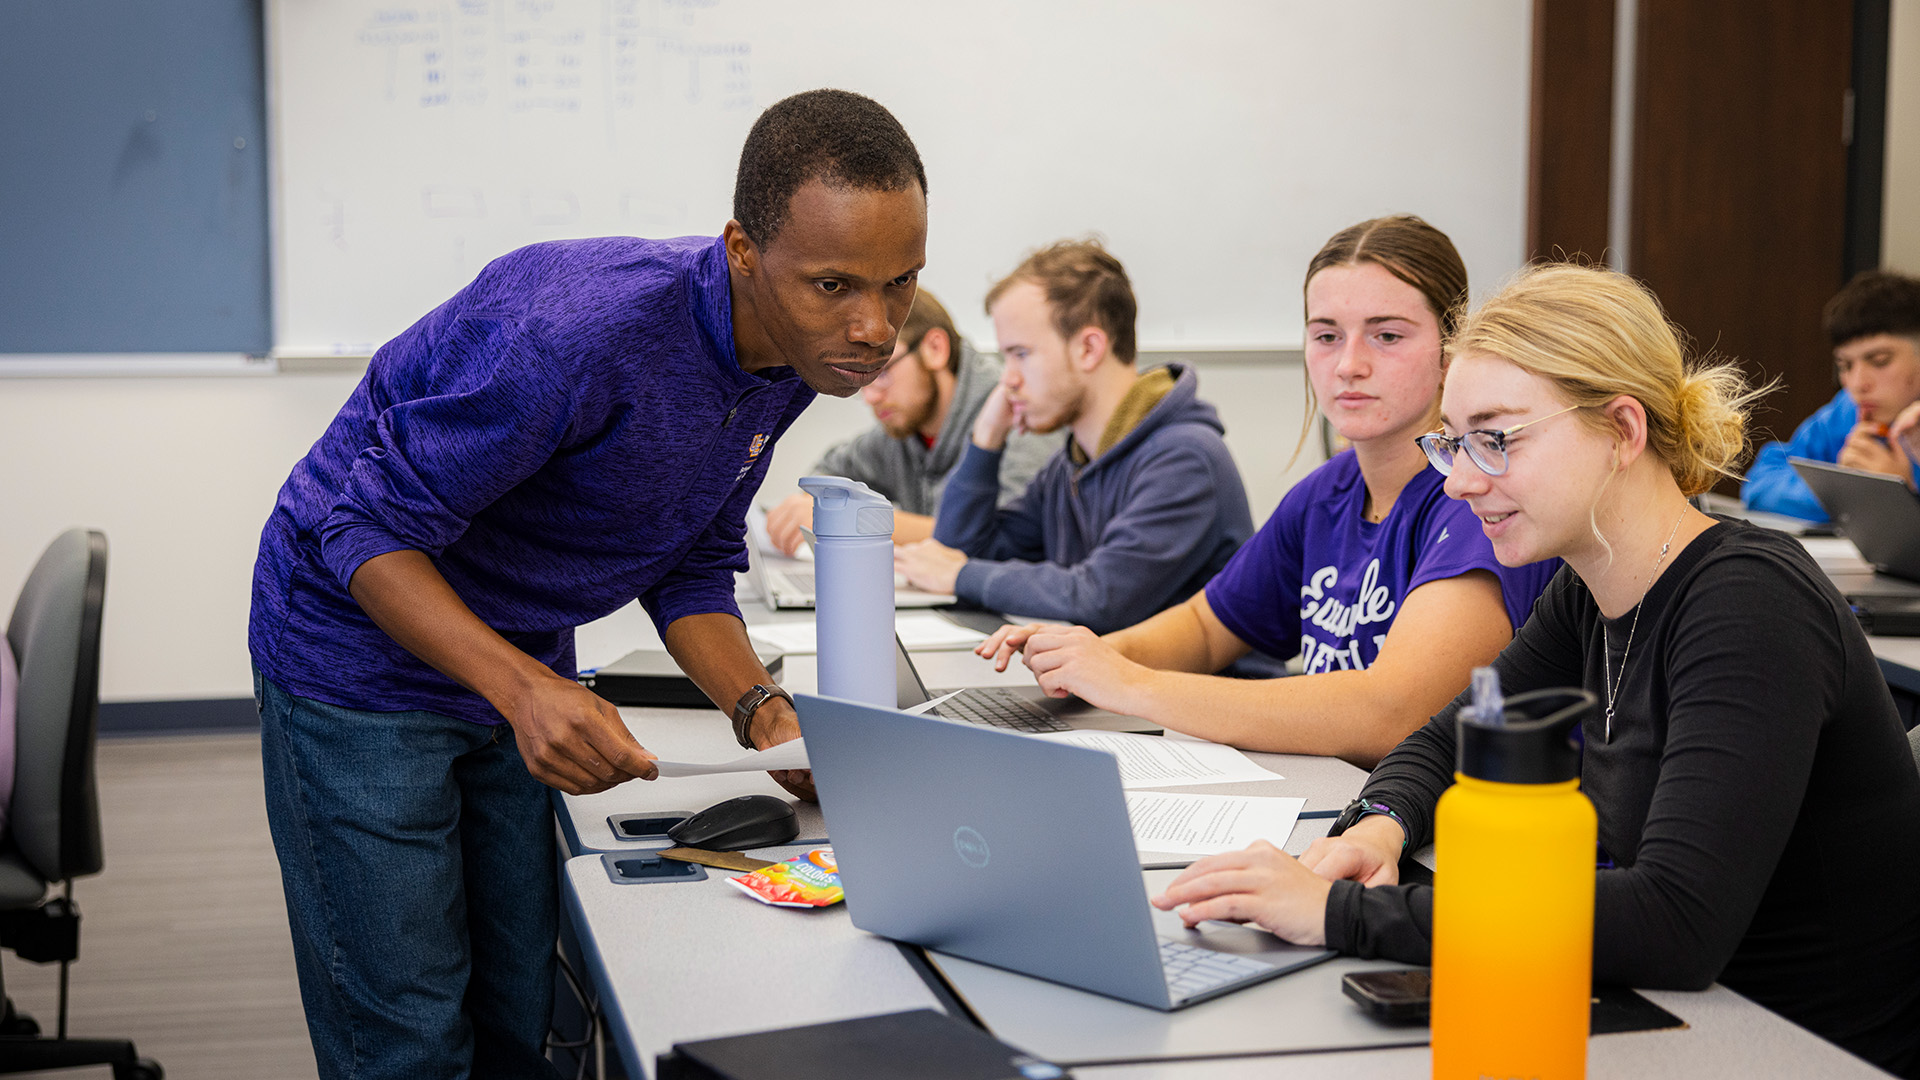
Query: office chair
x=54 y=832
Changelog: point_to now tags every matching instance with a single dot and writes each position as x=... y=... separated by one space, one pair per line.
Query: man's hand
x=569 y=737
x=929 y=565
x=1368 y=852
x=1003 y=643
x=1867 y=449
x=785 y=520
x=1259 y=884
x=1075 y=660
x=776 y=723
x=997 y=418
x=1904 y=432
x=573 y=739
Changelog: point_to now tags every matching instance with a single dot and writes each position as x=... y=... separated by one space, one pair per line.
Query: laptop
x=1873 y=510
x=1015 y=708
x=785 y=582
x=1014 y=852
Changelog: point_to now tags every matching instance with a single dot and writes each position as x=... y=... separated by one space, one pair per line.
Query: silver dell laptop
x=1010 y=851
x=1015 y=708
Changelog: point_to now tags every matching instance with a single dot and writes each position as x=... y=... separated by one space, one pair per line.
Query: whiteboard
x=1213 y=144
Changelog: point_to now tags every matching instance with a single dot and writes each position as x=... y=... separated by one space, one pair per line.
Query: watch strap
x=1363 y=807
x=757 y=695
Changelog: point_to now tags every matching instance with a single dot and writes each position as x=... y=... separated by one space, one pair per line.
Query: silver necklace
x=1612 y=685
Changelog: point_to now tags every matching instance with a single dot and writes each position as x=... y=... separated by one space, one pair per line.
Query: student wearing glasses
x=1758 y=806
x=1382 y=586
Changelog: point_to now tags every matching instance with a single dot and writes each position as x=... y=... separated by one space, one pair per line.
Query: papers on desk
x=920 y=630
x=1184 y=824
x=788 y=755
x=1148 y=761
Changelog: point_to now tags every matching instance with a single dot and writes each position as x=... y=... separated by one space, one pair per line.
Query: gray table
x=1899 y=656
x=679 y=962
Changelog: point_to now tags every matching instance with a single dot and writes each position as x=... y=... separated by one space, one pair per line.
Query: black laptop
x=1882 y=518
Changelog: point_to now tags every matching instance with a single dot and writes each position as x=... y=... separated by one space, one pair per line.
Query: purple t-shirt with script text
x=1321 y=582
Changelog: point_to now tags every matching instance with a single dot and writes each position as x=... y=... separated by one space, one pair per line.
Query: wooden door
x=1740 y=182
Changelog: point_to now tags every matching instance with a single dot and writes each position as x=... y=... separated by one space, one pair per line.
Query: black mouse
x=749 y=821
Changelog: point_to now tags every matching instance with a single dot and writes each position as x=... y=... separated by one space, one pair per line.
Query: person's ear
x=743 y=255
x=1629 y=420
x=1088 y=347
x=935 y=348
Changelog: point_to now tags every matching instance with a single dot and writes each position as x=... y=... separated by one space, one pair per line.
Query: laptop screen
x=911 y=690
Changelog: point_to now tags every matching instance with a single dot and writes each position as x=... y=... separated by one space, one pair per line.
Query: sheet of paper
x=920 y=630
x=788 y=755
x=1185 y=824
x=1153 y=761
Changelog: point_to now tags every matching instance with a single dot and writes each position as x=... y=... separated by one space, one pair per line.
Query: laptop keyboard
x=1001 y=708
x=801 y=580
x=1192 y=970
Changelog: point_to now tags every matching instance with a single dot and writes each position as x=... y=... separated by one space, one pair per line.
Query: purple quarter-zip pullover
x=571 y=431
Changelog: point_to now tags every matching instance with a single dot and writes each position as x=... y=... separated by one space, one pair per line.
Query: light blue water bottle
x=853 y=589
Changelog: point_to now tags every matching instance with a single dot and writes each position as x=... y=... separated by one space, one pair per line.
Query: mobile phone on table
x=1395 y=997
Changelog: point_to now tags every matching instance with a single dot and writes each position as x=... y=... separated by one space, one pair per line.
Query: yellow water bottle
x=1514 y=845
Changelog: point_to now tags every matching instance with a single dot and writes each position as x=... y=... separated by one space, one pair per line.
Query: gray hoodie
x=913 y=475
x=1105 y=544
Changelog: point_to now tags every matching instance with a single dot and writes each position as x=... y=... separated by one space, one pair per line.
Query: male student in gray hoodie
x=1140 y=507
x=925 y=402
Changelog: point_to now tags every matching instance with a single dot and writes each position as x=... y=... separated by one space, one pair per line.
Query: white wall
x=181 y=473
x=1900 y=237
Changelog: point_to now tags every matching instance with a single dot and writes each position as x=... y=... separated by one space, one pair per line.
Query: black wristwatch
x=749 y=704
x=1362 y=807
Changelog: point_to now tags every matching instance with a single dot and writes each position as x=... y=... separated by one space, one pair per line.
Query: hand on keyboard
x=1259 y=884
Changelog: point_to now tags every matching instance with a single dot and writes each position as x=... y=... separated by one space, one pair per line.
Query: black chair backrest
x=55 y=637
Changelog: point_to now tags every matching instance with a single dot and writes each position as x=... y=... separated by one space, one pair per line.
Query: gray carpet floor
x=183 y=937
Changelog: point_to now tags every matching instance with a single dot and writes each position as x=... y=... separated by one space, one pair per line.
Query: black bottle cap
x=1536 y=745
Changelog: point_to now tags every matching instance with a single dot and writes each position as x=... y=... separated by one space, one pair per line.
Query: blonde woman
x=1382 y=587
x=1759 y=809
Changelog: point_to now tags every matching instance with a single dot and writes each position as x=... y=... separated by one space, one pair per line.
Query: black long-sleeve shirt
x=1757 y=795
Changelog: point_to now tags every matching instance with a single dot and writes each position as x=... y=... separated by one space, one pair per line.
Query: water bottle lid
x=843 y=507
x=1535 y=745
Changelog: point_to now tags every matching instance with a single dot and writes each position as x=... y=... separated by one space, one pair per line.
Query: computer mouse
x=749 y=821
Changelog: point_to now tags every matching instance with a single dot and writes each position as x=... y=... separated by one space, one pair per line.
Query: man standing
x=584 y=424
x=1139 y=509
x=925 y=401
x=1874 y=325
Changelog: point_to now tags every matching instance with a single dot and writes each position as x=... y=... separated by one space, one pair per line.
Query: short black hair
x=843 y=138
x=1874 y=302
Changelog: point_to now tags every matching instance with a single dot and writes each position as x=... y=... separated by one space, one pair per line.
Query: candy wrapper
x=804 y=881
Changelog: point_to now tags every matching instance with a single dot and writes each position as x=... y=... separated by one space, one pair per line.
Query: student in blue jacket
x=1874 y=325
x=1383 y=587
x=582 y=425
x=1140 y=506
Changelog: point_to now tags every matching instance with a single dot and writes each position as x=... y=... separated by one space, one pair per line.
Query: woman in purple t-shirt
x=1386 y=589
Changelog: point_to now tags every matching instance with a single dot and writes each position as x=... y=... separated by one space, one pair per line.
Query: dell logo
x=971 y=846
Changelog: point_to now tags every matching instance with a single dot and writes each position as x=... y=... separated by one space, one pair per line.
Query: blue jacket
x=1111 y=542
x=1771 y=483
x=569 y=432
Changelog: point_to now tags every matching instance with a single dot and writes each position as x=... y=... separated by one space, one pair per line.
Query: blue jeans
x=417 y=855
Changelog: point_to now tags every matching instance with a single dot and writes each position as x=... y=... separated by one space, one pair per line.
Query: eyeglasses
x=886 y=374
x=1487 y=449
